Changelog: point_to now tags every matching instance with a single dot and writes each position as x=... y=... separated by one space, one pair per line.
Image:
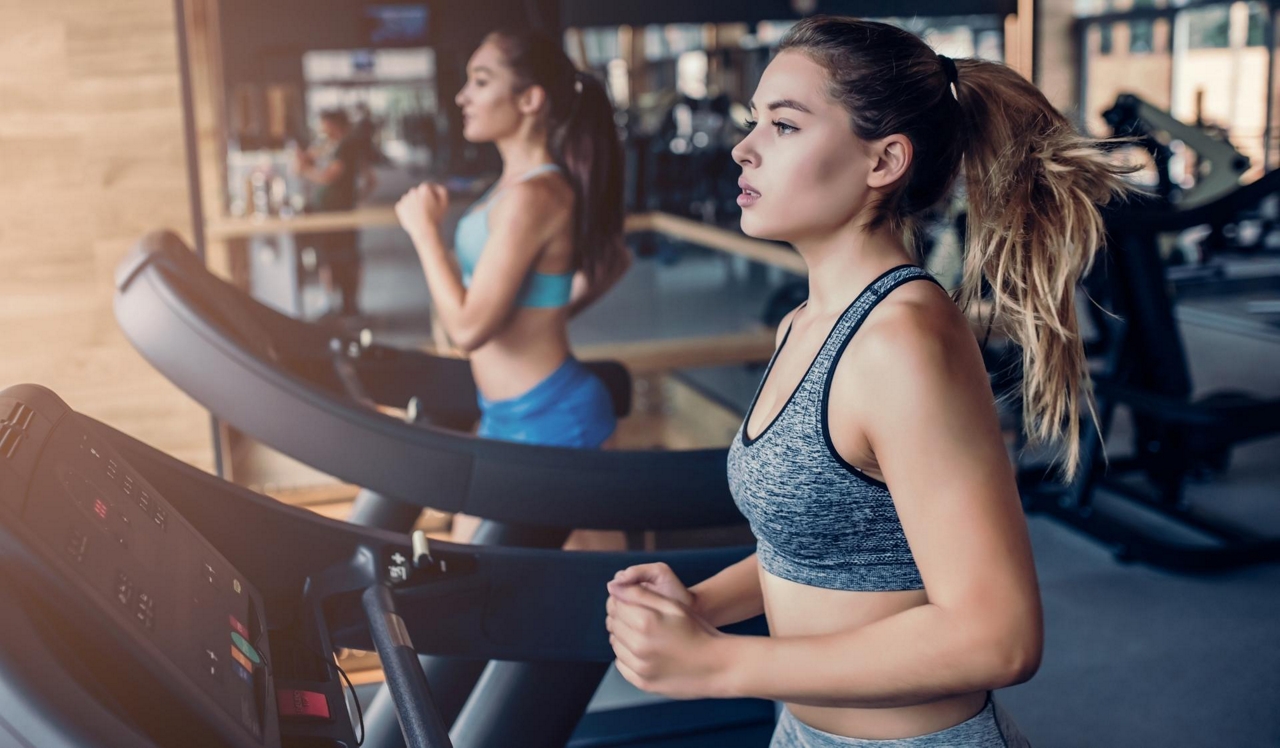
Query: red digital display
x=100 y=508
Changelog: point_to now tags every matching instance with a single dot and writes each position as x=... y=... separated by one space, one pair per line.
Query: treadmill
x=313 y=395
x=147 y=603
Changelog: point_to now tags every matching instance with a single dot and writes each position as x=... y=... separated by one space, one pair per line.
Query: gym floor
x=1134 y=656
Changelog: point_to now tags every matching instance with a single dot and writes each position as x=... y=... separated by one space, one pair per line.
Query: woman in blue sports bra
x=892 y=558
x=543 y=243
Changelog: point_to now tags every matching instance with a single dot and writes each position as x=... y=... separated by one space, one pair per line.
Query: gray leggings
x=989 y=728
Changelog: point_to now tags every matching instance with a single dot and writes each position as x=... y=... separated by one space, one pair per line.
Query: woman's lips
x=749 y=194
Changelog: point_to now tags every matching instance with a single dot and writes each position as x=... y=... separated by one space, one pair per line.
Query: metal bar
x=1268 y=129
x=193 y=179
x=1082 y=76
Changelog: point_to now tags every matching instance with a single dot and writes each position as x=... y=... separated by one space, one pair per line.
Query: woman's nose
x=743 y=154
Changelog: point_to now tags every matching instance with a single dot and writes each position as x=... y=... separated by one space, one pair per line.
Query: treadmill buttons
x=77 y=544
x=245 y=647
x=124 y=588
x=210 y=662
x=299 y=704
x=244 y=668
x=238 y=627
x=396 y=562
x=144 y=610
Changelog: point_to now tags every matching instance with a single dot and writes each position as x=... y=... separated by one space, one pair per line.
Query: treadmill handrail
x=414 y=463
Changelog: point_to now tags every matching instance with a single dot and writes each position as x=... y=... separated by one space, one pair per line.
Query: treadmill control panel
x=150 y=572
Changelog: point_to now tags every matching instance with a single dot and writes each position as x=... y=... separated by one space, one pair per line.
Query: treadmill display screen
x=152 y=572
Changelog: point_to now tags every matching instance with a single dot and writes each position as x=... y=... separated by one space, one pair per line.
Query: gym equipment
x=679 y=161
x=1234 y=232
x=146 y=603
x=315 y=397
x=1143 y=367
x=1219 y=167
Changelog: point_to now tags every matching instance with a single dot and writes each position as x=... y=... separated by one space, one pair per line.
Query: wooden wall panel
x=91 y=157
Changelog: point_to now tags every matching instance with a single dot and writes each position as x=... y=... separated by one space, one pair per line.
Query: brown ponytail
x=589 y=146
x=1033 y=184
x=583 y=138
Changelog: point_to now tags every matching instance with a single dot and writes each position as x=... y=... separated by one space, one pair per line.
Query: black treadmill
x=147 y=603
x=314 y=395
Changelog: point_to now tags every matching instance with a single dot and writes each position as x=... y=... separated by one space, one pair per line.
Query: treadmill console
x=141 y=580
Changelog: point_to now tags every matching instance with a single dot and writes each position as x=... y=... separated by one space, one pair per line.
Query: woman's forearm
x=447 y=292
x=731 y=596
x=920 y=655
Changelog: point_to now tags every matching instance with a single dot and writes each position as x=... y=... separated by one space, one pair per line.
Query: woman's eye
x=749 y=125
x=784 y=129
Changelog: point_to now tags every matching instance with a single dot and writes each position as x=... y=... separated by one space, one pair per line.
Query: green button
x=246 y=647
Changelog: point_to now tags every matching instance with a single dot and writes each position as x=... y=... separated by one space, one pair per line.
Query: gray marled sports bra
x=817 y=519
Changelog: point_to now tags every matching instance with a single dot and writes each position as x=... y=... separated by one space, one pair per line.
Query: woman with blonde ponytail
x=892 y=559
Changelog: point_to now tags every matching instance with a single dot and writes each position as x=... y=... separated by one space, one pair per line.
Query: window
x=1257 y=25
x=1209 y=28
x=1142 y=37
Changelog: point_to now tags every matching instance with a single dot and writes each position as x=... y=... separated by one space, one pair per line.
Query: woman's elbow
x=1016 y=656
x=468 y=337
x=468 y=342
x=1022 y=665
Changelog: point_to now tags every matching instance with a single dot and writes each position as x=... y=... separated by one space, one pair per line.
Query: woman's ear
x=531 y=100
x=890 y=160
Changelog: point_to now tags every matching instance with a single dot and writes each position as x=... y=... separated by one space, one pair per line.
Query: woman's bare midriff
x=531 y=346
x=795 y=609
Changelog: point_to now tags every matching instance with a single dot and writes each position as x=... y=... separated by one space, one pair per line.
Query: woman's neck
x=522 y=152
x=845 y=261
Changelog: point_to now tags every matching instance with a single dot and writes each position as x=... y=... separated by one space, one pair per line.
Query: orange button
x=239 y=657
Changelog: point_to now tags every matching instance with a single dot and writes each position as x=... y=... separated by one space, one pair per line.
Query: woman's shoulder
x=548 y=197
x=914 y=353
x=918 y=325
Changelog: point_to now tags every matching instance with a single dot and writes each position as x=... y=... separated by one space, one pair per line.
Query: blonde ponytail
x=1034 y=186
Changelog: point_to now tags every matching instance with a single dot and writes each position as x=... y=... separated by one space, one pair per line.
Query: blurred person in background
x=543 y=243
x=339 y=174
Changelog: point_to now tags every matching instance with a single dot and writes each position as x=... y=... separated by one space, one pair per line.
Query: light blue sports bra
x=542 y=290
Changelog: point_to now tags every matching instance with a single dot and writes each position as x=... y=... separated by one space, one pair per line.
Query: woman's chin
x=755 y=228
x=473 y=134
